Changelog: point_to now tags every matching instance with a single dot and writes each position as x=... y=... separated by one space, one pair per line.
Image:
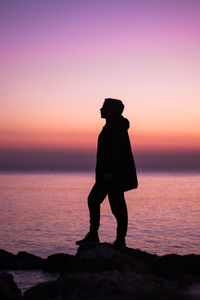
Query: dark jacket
x=114 y=154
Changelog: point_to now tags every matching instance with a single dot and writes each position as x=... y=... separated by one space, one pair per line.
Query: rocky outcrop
x=103 y=284
x=56 y=262
x=8 y=288
x=103 y=271
x=176 y=267
x=20 y=261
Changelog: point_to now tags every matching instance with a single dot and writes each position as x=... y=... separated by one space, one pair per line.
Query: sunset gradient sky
x=60 y=59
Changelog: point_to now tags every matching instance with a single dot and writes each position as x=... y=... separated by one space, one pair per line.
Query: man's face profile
x=105 y=110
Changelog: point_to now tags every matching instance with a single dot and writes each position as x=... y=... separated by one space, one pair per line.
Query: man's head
x=111 y=107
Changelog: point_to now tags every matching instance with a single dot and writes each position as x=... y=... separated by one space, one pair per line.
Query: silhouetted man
x=115 y=172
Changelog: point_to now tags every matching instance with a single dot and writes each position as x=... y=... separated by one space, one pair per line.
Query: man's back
x=114 y=154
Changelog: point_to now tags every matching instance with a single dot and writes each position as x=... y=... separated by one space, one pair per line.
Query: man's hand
x=108 y=178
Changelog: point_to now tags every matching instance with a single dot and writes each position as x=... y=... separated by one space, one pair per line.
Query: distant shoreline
x=68 y=161
x=92 y=171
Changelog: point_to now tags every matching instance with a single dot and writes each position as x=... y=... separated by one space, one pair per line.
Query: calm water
x=45 y=213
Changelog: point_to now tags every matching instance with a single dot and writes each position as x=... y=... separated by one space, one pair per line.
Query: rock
x=6 y=260
x=146 y=257
x=76 y=285
x=8 y=288
x=43 y=291
x=183 y=269
x=27 y=261
x=103 y=257
x=22 y=261
x=93 y=259
x=103 y=271
x=173 y=263
x=56 y=262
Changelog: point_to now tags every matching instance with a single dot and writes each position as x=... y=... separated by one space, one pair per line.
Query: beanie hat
x=116 y=105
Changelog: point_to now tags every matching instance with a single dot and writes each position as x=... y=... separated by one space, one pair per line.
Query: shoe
x=119 y=243
x=89 y=239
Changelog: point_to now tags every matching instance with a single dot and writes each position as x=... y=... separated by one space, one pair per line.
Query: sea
x=44 y=213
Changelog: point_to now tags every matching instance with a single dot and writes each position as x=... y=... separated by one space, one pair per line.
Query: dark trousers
x=117 y=204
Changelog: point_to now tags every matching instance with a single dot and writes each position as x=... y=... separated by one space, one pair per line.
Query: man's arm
x=112 y=154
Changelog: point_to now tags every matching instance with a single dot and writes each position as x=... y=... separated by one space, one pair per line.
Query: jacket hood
x=118 y=121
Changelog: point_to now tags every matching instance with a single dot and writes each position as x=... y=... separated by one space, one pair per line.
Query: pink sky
x=60 y=59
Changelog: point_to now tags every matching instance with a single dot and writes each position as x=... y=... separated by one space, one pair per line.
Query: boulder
x=6 y=260
x=170 y=264
x=104 y=271
x=27 y=261
x=22 y=261
x=43 y=291
x=104 y=257
x=110 y=283
x=183 y=269
x=56 y=262
x=8 y=288
x=100 y=271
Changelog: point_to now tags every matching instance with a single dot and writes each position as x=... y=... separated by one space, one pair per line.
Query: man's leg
x=119 y=209
x=95 y=198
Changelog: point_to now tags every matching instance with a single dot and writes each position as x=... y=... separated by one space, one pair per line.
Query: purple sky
x=60 y=59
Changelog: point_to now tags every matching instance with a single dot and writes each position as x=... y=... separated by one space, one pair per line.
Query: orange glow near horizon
x=82 y=140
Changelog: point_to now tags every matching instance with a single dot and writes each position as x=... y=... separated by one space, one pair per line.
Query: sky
x=59 y=60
